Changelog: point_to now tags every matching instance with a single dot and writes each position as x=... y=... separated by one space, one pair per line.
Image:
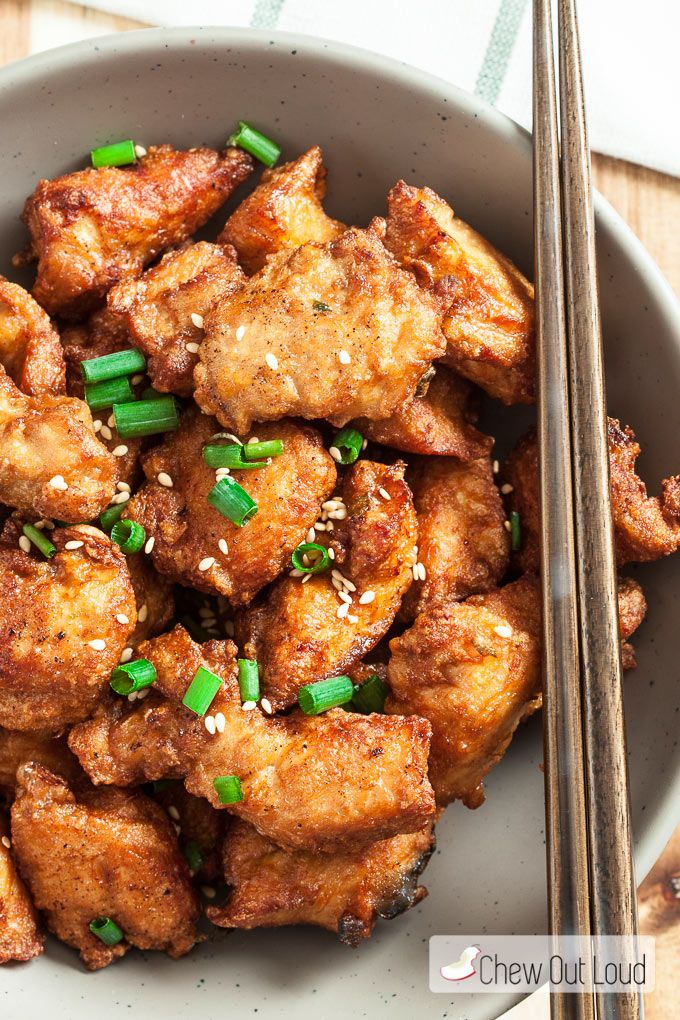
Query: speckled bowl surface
x=376 y=120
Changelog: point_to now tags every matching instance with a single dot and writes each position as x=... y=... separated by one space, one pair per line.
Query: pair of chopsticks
x=590 y=872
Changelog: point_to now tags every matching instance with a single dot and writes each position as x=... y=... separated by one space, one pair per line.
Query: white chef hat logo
x=463 y=967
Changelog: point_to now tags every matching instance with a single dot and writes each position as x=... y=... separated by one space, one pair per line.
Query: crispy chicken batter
x=17 y=747
x=344 y=892
x=153 y=596
x=284 y=211
x=201 y=827
x=333 y=330
x=46 y=438
x=462 y=540
x=296 y=634
x=92 y=228
x=487 y=304
x=20 y=936
x=105 y=853
x=188 y=530
x=50 y=613
x=317 y=782
x=30 y=349
x=439 y=422
x=103 y=333
x=160 y=307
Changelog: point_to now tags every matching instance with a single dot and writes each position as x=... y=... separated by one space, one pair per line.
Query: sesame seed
x=220 y=722
x=335 y=453
x=336 y=584
x=122 y=486
x=364 y=445
x=173 y=812
x=343 y=610
x=111 y=421
x=48 y=524
x=311 y=535
x=25 y=544
x=339 y=514
x=210 y=724
x=97 y=644
x=122 y=618
x=206 y=612
x=507 y=525
x=352 y=619
x=266 y=705
x=348 y=584
x=319 y=526
x=106 y=432
x=384 y=493
x=367 y=597
x=503 y=630
x=193 y=348
x=57 y=482
x=496 y=467
x=5 y=842
x=224 y=547
x=240 y=332
x=121 y=497
x=206 y=563
x=221 y=473
x=344 y=358
x=132 y=696
x=331 y=554
x=345 y=597
x=96 y=424
x=126 y=654
x=136 y=379
x=330 y=504
x=197 y=320
x=208 y=892
x=119 y=451
x=142 y=694
x=295 y=572
x=337 y=574
x=272 y=362
x=39 y=525
x=150 y=544
x=507 y=488
x=140 y=151
x=248 y=706
x=306 y=578
x=163 y=478
x=177 y=828
x=143 y=612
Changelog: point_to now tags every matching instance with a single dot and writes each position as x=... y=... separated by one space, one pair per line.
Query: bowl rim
x=660 y=824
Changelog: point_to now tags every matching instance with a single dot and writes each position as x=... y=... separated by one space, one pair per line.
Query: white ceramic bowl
x=377 y=120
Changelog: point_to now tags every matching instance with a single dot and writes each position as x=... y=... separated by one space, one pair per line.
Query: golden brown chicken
x=20 y=936
x=30 y=349
x=154 y=598
x=318 y=782
x=199 y=827
x=284 y=211
x=487 y=304
x=17 y=747
x=333 y=330
x=306 y=631
x=63 y=625
x=194 y=544
x=344 y=892
x=103 y=853
x=103 y=333
x=463 y=544
x=92 y=228
x=645 y=527
x=164 y=308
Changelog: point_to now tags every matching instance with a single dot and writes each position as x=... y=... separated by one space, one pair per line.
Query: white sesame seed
x=163 y=478
x=221 y=473
x=97 y=644
x=364 y=445
x=122 y=618
x=344 y=358
x=266 y=705
x=208 y=892
x=345 y=597
x=240 y=332
x=119 y=451
x=132 y=696
x=48 y=524
x=96 y=424
x=57 y=482
x=337 y=574
x=126 y=654
x=173 y=812
x=25 y=544
x=384 y=493
x=248 y=706
x=206 y=612
x=223 y=546
x=330 y=504
x=122 y=486
x=415 y=572
x=508 y=525
x=342 y=611
x=336 y=584
x=507 y=488
x=295 y=572
x=136 y=379
x=150 y=543
x=111 y=421
x=311 y=535
x=140 y=151
x=496 y=467
x=210 y=724
x=121 y=497
x=331 y=554
x=142 y=694
x=106 y=432
x=193 y=348
x=177 y=828
x=503 y=630
x=143 y=612
x=220 y=722
x=319 y=526
x=206 y=563
x=5 y=842
x=272 y=361
x=335 y=453
x=348 y=584
x=306 y=578
x=367 y=597
x=197 y=320
x=352 y=619
x=339 y=514
x=39 y=525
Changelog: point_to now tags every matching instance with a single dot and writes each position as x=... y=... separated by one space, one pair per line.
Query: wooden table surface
x=648 y=201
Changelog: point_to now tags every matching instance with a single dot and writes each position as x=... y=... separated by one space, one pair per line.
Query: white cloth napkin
x=631 y=63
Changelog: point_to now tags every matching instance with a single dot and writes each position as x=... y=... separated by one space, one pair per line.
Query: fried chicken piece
x=473 y=670
x=46 y=438
x=103 y=333
x=55 y=616
x=462 y=541
x=296 y=633
x=487 y=304
x=188 y=530
x=20 y=935
x=30 y=349
x=154 y=598
x=333 y=330
x=105 y=853
x=201 y=828
x=92 y=228
x=438 y=422
x=17 y=747
x=284 y=211
x=344 y=892
x=317 y=782
x=159 y=309
x=645 y=527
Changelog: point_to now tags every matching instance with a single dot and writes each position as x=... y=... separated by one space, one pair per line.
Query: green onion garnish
x=223 y=455
x=348 y=442
x=129 y=535
x=248 y=679
x=39 y=540
x=515 y=531
x=194 y=857
x=111 y=391
x=320 y=306
x=370 y=696
x=116 y=154
x=201 y=691
x=257 y=144
x=310 y=549
x=325 y=694
x=106 y=930
x=273 y=448
x=232 y=501
x=228 y=789
x=133 y=676
x=112 y=514
x=113 y=366
x=146 y=417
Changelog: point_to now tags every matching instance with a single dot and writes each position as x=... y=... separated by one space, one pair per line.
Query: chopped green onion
x=232 y=501
x=116 y=154
x=112 y=514
x=273 y=448
x=370 y=696
x=257 y=144
x=325 y=694
x=39 y=540
x=348 y=442
x=146 y=417
x=106 y=930
x=201 y=691
x=133 y=676
x=194 y=857
x=113 y=366
x=223 y=455
x=321 y=306
x=195 y=630
x=248 y=679
x=129 y=535
x=315 y=566
x=149 y=393
x=515 y=531
x=111 y=391
x=228 y=789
